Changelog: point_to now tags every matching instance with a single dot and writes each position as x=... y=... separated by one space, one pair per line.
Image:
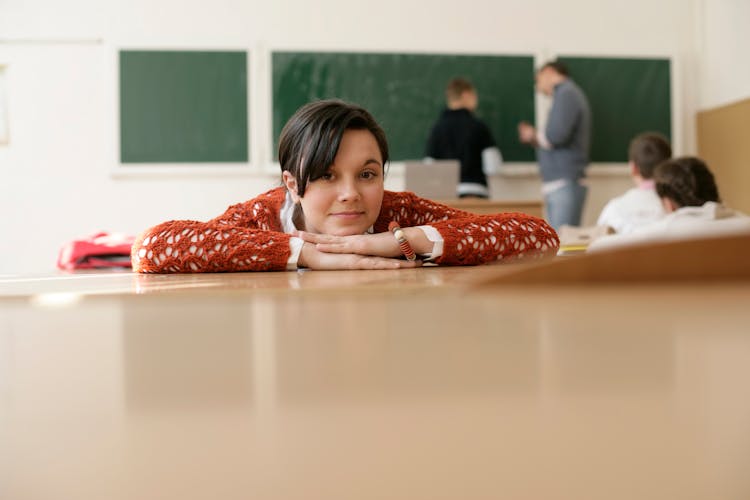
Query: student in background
x=639 y=205
x=689 y=195
x=459 y=135
x=332 y=212
x=562 y=148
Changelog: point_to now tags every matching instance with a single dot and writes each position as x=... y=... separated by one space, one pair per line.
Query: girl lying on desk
x=690 y=198
x=333 y=213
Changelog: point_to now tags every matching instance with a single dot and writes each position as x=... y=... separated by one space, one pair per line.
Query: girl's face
x=347 y=199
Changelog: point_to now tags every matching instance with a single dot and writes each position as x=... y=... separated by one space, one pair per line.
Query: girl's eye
x=368 y=174
x=327 y=176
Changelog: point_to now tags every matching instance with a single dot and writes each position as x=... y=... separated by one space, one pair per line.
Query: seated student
x=333 y=213
x=639 y=205
x=689 y=195
x=459 y=135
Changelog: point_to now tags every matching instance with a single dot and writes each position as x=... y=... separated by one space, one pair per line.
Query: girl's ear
x=291 y=185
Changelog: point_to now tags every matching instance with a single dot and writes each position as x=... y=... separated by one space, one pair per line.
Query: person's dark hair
x=456 y=87
x=557 y=66
x=311 y=138
x=647 y=150
x=687 y=181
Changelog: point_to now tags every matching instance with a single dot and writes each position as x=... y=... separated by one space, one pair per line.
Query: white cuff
x=492 y=160
x=295 y=245
x=542 y=140
x=437 y=242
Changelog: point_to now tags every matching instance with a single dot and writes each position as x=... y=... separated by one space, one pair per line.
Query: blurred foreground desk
x=371 y=385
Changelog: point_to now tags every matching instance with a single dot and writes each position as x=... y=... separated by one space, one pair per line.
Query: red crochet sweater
x=248 y=236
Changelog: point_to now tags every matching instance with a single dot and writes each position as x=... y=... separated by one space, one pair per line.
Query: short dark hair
x=559 y=67
x=687 y=181
x=311 y=138
x=456 y=87
x=647 y=150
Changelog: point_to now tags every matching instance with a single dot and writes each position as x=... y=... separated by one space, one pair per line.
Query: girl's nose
x=348 y=190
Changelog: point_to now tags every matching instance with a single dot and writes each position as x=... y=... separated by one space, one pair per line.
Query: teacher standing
x=562 y=148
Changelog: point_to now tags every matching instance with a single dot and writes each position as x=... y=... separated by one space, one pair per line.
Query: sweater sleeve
x=241 y=239
x=471 y=239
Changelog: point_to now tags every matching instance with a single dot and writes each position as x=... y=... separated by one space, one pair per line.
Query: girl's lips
x=347 y=215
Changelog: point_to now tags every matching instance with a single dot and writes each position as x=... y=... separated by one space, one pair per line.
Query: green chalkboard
x=627 y=97
x=405 y=92
x=183 y=106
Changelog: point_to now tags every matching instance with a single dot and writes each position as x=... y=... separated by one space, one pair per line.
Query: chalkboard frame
x=260 y=107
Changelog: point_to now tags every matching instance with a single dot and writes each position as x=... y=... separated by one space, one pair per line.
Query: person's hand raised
x=526 y=133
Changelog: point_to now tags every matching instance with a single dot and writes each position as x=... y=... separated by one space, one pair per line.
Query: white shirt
x=636 y=208
x=295 y=244
x=710 y=220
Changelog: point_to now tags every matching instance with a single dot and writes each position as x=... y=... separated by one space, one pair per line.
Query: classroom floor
x=368 y=385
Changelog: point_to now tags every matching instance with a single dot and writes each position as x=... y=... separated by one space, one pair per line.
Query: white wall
x=724 y=46
x=57 y=180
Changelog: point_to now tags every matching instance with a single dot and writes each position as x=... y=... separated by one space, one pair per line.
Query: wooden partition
x=707 y=260
x=481 y=206
x=724 y=142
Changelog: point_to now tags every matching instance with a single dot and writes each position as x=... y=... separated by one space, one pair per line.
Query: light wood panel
x=724 y=143
x=482 y=206
x=706 y=260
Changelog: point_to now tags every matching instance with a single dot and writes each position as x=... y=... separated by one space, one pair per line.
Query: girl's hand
x=313 y=258
x=380 y=245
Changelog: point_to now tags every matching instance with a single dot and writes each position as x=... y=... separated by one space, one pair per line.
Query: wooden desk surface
x=399 y=384
x=305 y=281
x=480 y=206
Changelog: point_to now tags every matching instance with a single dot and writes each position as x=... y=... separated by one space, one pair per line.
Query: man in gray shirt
x=562 y=148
